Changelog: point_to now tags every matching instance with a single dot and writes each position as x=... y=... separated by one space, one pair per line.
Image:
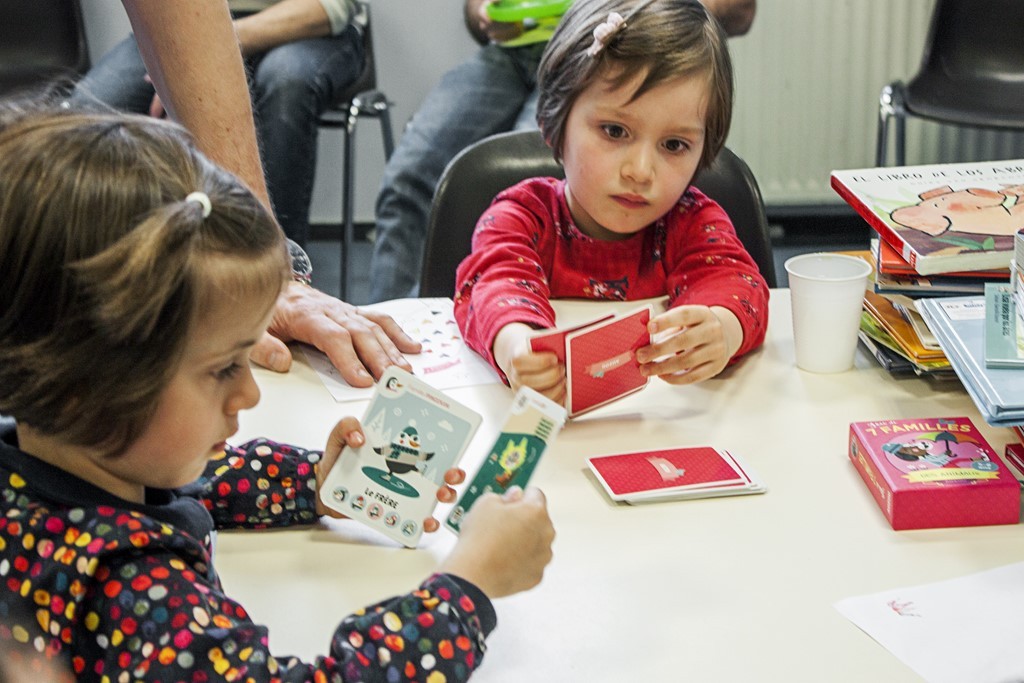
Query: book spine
x=880 y=226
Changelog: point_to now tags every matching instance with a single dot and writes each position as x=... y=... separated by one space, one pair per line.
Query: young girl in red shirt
x=635 y=99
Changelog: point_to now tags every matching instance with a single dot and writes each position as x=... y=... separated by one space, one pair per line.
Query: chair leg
x=347 y=202
x=901 y=139
x=881 y=145
x=885 y=112
x=386 y=131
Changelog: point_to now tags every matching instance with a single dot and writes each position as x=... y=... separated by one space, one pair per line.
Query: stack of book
x=894 y=333
x=959 y=325
x=894 y=275
x=1017 y=276
x=983 y=337
x=944 y=230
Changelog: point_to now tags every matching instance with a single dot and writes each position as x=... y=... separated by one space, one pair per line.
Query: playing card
x=530 y=427
x=601 y=364
x=554 y=340
x=674 y=472
x=414 y=433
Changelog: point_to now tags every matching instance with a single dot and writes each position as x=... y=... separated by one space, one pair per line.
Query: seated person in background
x=145 y=276
x=301 y=54
x=493 y=92
x=635 y=98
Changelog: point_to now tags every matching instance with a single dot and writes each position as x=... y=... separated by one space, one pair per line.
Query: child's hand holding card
x=414 y=434
x=531 y=425
x=599 y=357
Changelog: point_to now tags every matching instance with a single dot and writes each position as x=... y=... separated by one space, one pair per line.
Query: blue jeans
x=291 y=86
x=493 y=92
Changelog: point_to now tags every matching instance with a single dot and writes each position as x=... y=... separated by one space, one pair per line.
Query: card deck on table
x=414 y=433
x=531 y=425
x=673 y=474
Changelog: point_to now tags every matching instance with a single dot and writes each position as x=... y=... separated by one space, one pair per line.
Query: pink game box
x=934 y=472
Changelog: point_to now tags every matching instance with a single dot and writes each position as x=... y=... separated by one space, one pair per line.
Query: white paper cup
x=827 y=292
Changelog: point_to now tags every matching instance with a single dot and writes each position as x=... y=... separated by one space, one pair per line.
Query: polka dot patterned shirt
x=125 y=592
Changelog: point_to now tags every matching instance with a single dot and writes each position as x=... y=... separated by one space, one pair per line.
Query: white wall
x=415 y=43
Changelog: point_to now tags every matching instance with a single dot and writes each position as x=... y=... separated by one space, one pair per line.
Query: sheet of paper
x=445 y=362
x=963 y=629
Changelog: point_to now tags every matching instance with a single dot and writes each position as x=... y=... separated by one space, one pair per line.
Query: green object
x=511 y=11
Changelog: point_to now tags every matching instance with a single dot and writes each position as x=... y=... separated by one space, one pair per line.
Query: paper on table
x=444 y=363
x=963 y=629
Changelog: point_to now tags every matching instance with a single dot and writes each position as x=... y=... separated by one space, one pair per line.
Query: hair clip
x=604 y=32
x=203 y=200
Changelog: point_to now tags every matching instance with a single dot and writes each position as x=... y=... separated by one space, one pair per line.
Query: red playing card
x=601 y=361
x=629 y=475
x=554 y=340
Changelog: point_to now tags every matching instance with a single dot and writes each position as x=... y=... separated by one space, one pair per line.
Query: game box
x=934 y=472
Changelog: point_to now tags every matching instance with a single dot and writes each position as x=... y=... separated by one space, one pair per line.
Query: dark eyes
x=676 y=146
x=229 y=372
x=614 y=131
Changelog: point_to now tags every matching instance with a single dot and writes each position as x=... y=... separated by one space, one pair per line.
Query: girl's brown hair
x=107 y=268
x=663 y=39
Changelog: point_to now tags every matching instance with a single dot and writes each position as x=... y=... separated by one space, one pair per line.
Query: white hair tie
x=203 y=200
x=604 y=32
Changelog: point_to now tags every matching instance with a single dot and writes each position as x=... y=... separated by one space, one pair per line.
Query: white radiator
x=808 y=77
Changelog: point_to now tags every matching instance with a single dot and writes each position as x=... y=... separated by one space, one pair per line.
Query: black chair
x=971 y=74
x=361 y=99
x=40 y=41
x=484 y=169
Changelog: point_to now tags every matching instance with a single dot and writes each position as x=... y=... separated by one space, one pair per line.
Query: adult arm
x=282 y=22
x=191 y=52
x=735 y=16
x=193 y=58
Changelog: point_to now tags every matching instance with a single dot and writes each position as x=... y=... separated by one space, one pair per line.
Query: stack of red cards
x=599 y=357
x=674 y=474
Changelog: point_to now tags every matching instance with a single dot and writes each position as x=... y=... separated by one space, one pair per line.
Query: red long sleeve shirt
x=527 y=250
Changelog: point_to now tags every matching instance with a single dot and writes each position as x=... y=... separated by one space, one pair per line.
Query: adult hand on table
x=361 y=344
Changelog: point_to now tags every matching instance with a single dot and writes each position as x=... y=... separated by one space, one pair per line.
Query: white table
x=729 y=589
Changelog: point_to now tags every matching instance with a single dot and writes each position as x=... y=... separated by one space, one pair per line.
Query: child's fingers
x=545 y=381
x=680 y=316
x=454 y=476
x=691 y=376
x=348 y=432
x=689 y=367
x=513 y=494
x=534 y=362
x=430 y=525
x=445 y=494
x=557 y=393
x=669 y=346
